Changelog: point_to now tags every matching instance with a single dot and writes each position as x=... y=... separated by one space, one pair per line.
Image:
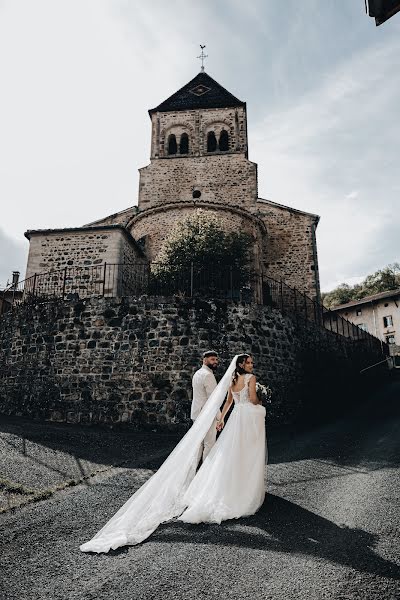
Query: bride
x=229 y=483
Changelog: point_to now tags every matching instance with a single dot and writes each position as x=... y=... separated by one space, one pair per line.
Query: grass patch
x=14 y=488
x=35 y=496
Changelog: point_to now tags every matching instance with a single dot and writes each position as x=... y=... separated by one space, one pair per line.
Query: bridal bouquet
x=264 y=393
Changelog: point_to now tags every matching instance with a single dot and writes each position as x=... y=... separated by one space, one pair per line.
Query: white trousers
x=208 y=442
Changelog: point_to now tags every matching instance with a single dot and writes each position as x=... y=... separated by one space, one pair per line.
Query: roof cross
x=202 y=57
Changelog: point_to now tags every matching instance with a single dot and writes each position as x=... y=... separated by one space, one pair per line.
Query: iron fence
x=217 y=282
x=113 y=280
x=303 y=308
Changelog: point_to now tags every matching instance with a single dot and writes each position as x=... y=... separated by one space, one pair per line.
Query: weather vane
x=202 y=57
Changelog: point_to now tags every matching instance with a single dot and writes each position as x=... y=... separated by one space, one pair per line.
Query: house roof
x=201 y=92
x=368 y=299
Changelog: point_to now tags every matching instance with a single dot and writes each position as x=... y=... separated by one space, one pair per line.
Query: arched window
x=211 y=142
x=172 y=146
x=184 y=144
x=224 y=141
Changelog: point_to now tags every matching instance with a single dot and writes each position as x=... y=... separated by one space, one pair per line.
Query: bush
x=217 y=256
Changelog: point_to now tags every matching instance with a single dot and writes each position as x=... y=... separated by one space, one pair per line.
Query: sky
x=322 y=90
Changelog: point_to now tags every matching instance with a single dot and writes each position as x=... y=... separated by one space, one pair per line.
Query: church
x=199 y=159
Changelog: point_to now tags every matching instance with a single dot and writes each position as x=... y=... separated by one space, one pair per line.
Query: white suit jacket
x=203 y=383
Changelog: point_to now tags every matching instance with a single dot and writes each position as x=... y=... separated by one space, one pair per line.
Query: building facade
x=378 y=314
x=199 y=159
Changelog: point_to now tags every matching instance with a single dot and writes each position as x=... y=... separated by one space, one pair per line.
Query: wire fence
x=213 y=282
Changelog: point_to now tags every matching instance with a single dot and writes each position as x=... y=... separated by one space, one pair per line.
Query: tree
x=200 y=242
x=382 y=280
x=340 y=295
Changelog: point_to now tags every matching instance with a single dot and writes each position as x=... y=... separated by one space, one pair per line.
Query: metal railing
x=113 y=280
x=302 y=308
x=216 y=282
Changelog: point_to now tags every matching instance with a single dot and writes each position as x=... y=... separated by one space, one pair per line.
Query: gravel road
x=327 y=530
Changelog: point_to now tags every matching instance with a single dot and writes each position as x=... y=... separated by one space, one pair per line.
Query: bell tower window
x=211 y=142
x=184 y=144
x=224 y=141
x=172 y=145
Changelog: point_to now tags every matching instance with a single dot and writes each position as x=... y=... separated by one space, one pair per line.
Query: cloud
x=311 y=154
x=13 y=256
x=352 y=195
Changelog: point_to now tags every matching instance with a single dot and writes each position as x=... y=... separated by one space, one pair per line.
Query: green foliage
x=200 y=239
x=382 y=280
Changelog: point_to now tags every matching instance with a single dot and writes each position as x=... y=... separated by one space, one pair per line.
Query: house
x=378 y=314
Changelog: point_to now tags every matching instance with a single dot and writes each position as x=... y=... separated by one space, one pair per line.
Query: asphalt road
x=328 y=528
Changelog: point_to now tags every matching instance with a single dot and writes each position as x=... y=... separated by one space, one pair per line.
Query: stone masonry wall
x=197 y=123
x=52 y=251
x=156 y=225
x=290 y=252
x=228 y=179
x=55 y=250
x=130 y=361
x=76 y=259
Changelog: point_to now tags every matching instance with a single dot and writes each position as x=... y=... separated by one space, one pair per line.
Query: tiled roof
x=367 y=299
x=201 y=92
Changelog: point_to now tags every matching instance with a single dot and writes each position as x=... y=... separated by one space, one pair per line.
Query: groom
x=203 y=384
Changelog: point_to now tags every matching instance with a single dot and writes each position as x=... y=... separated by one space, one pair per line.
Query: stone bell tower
x=198 y=159
x=199 y=144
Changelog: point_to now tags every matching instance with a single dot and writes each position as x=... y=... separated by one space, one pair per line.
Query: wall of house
x=372 y=317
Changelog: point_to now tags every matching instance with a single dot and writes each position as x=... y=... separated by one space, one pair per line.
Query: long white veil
x=161 y=497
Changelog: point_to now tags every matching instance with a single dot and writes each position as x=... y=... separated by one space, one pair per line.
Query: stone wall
x=131 y=361
x=197 y=123
x=75 y=259
x=155 y=226
x=227 y=179
x=290 y=252
x=67 y=262
x=53 y=250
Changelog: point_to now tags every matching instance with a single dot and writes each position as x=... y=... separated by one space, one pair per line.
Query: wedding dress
x=229 y=484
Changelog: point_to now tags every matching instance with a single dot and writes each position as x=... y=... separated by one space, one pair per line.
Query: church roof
x=289 y=208
x=201 y=92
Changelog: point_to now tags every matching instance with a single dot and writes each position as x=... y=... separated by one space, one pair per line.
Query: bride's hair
x=238 y=369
